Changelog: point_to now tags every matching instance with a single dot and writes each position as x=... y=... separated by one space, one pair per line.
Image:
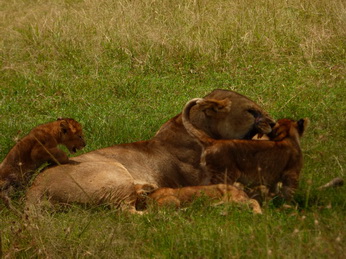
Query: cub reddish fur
x=38 y=147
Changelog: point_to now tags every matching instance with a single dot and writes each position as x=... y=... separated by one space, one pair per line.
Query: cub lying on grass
x=38 y=147
x=251 y=162
x=183 y=196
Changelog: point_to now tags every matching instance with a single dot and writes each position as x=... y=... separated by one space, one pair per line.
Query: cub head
x=71 y=134
x=286 y=128
x=228 y=115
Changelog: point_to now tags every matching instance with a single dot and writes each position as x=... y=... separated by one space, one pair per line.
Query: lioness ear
x=303 y=125
x=64 y=126
x=212 y=107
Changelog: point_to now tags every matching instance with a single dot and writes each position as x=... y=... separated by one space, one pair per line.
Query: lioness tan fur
x=179 y=197
x=38 y=147
x=251 y=162
x=170 y=159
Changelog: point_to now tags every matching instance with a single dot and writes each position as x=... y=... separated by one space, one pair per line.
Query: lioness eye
x=254 y=113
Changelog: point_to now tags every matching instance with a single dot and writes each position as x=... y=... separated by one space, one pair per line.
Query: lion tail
x=202 y=137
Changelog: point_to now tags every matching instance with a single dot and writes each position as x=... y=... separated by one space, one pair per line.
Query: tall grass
x=144 y=33
x=123 y=68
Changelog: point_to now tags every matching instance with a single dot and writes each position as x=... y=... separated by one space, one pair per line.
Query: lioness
x=170 y=159
x=183 y=196
x=251 y=162
x=38 y=147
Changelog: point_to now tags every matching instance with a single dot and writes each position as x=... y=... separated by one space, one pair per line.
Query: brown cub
x=38 y=147
x=179 y=197
x=251 y=162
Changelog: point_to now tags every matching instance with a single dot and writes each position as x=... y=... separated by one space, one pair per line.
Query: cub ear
x=64 y=126
x=212 y=107
x=303 y=125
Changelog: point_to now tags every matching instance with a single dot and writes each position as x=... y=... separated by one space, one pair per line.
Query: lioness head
x=229 y=115
x=71 y=134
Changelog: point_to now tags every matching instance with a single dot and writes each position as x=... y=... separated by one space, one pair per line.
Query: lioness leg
x=254 y=205
x=169 y=200
x=233 y=194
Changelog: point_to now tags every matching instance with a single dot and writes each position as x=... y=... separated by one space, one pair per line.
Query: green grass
x=123 y=68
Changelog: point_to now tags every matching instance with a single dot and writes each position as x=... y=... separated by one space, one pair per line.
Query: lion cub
x=251 y=162
x=38 y=147
x=183 y=196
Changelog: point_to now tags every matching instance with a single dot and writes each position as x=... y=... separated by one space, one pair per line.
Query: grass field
x=123 y=68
